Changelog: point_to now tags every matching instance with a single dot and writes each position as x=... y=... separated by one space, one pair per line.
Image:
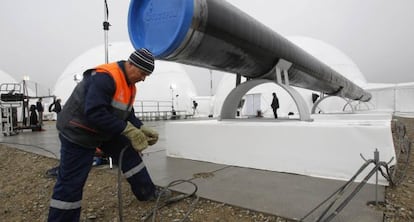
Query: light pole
x=25 y=108
x=211 y=82
x=172 y=87
x=106 y=30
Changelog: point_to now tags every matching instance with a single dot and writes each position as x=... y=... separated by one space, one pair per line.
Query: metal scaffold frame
x=14 y=101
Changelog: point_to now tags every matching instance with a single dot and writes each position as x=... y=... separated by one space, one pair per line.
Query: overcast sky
x=41 y=38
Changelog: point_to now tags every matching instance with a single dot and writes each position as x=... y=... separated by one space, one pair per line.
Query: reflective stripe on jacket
x=124 y=96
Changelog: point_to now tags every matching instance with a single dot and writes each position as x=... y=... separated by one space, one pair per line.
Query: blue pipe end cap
x=159 y=25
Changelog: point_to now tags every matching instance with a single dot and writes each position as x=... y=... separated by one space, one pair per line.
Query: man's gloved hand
x=136 y=136
x=152 y=135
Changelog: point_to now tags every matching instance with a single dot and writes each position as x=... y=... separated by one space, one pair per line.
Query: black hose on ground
x=158 y=204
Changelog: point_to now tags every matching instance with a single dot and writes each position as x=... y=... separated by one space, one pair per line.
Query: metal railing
x=147 y=110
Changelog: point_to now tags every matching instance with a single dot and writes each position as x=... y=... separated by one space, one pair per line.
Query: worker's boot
x=53 y=172
x=161 y=192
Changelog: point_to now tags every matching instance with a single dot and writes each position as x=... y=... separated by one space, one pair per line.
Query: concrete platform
x=282 y=194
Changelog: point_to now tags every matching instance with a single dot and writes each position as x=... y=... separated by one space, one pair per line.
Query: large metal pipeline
x=216 y=35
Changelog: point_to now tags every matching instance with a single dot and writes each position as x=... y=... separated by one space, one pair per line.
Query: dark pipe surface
x=222 y=37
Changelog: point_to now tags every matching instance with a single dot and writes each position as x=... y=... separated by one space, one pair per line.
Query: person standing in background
x=275 y=104
x=39 y=107
x=195 y=104
x=55 y=106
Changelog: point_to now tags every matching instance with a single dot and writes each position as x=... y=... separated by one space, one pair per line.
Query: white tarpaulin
x=328 y=148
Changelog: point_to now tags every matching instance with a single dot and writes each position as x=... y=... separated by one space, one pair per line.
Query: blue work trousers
x=75 y=164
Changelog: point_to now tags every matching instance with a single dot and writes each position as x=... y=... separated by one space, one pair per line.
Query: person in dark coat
x=275 y=104
x=39 y=107
x=55 y=106
x=195 y=104
x=99 y=113
x=33 y=116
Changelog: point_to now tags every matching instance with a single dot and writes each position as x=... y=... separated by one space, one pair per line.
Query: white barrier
x=328 y=147
x=393 y=98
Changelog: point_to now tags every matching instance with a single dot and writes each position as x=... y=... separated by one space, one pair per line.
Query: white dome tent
x=6 y=78
x=332 y=57
x=263 y=93
x=169 y=82
x=335 y=59
x=91 y=58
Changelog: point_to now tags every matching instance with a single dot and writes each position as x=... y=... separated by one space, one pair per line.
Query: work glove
x=152 y=135
x=136 y=136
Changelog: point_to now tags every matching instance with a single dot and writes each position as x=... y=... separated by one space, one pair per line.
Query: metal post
x=376 y=159
x=172 y=97
x=106 y=29
x=238 y=79
x=158 y=110
x=285 y=76
x=278 y=75
x=24 y=105
x=395 y=100
x=211 y=82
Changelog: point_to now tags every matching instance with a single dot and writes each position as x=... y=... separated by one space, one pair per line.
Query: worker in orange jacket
x=99 y=113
